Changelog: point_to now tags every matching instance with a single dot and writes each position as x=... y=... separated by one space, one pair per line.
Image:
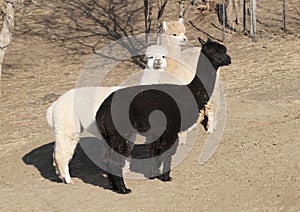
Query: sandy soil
x=255 y=168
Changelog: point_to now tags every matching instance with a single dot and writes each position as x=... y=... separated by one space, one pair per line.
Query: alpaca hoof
x=152 y=178
x=153 y=174
x=123 y=191
x=210 y=131
x=66 y=181
x=182 y=143
x=165 y=178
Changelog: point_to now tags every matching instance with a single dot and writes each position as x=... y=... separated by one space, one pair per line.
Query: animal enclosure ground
x=255 y=168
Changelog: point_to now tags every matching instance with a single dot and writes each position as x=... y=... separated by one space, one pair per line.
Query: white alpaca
x=155 y=72
x=75 y=111
x=156 y=64
x=69 y=115
x=173 y=38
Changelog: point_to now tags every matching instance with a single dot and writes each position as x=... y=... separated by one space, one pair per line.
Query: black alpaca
x=151 y=98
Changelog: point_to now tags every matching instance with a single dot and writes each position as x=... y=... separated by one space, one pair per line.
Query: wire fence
x=259 y=16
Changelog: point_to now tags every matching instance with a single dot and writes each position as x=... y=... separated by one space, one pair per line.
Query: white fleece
x=75 y=110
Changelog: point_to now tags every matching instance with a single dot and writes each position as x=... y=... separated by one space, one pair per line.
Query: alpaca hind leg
x=63 y=153
x=165 y=176
x=155 y=162
x=168 y=146
x=155 y=168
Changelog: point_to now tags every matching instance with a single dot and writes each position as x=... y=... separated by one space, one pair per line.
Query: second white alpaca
x=156 y=64
x=181 y=69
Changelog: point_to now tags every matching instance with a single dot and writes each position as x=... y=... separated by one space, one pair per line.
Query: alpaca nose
x=229 y=59
x=158 y=61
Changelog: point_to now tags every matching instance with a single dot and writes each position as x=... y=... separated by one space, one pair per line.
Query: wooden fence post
x=283 y=14
x=244 y=15
x=253 y=19
x=224 y=21
x=8 y=15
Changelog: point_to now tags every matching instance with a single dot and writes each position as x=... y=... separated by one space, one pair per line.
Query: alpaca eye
x=174 y=35
x=150 y=57
x=163 y=56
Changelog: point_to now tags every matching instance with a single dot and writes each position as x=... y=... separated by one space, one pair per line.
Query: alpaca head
x=176 y=29
x=215 y=52
x=156 y=57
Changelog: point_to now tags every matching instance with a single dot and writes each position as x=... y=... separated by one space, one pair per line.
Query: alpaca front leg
x=210 y=111
x=155 y=168
x=118 y=184
x=183 y=136
x=212 y=122
x=116 y=179
x=115 y=165
x=165 y=176
x=167 y=159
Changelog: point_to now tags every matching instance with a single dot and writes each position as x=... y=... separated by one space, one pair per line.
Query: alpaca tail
x=49 y=115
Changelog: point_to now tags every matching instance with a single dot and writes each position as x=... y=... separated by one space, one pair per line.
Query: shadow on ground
x=90 y=152
x=80 y=166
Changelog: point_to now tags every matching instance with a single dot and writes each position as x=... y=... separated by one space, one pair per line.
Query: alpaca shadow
x=99 y=20
x=219 y=9
x=80 y=166
x=205 y=33
x=88 y=157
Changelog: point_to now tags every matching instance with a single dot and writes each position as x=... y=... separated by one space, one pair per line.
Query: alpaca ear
x=165 y=26
x=209 y=40
x=201 y=41
x=145 y=58
x=181 y=21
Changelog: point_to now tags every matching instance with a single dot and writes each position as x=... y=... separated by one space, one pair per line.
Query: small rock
x=49 y=98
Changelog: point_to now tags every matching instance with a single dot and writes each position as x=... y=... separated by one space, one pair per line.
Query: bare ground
x=255 y=168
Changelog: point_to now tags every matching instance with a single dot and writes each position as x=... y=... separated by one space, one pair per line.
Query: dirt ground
x=255 y=168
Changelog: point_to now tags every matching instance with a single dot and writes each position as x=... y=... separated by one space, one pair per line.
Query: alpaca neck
x=203 y=83
x=150 y=77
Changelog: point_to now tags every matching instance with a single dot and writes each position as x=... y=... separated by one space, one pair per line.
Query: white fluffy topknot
x=156 y=50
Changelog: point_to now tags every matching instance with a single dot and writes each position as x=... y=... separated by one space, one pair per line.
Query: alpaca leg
x=118 y=184
x=168 y=146
x=63 y=153
x=210 y=111
x=165 y=176
x=155 y=159
x=183 y=136
x=155 y=168
x=126 y=168
x=121 y=146
x=212 y=122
